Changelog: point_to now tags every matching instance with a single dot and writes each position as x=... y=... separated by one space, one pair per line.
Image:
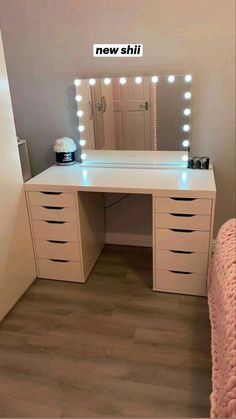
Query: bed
x=222 y=307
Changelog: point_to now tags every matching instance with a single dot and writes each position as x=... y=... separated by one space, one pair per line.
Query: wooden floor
x=107 y=348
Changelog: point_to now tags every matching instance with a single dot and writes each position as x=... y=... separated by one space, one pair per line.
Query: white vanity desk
x=67 y=220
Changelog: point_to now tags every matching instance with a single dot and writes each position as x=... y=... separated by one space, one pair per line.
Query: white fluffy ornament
x=64 y=145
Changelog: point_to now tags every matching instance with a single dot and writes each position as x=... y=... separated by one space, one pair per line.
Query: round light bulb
x=185 y=157
x=188 y=78
x=123 y=80
x=81 y=128
x=187 y=111
x=187 y=95
x=171 y=79
x=92 y=82
x=138 y=80
x=78 y=98
x=154 y=79
x=77 y=82
x=80 y=113
x=107 y=81
x=186 y=128
x=185 y=143
x=83 y=156
x=82 y=143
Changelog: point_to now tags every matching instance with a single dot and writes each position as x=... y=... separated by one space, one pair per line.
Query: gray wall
x=49 y=42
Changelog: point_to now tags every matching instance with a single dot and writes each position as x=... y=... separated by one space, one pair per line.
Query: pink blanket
x=222 y=306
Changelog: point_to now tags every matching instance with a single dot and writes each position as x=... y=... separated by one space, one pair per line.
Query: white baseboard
x=144 y=240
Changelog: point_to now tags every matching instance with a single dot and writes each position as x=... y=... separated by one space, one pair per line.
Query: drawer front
x=57 y=250
x=53 y=213
x=54 y=199
x=183 y=221
x=183 y=205
x=180 y=283
x=185 y=262
x=194 y=241
x=44 y=230
x=61 y=270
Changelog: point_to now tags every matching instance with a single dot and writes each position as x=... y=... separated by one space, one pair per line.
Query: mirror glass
x=134 y=113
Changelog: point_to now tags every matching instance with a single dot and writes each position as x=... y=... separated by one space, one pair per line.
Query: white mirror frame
x=107 y=80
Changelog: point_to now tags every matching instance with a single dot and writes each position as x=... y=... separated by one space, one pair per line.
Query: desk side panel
x=92 y=228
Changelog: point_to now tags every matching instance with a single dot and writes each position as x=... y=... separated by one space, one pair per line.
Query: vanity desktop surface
x=127 y=180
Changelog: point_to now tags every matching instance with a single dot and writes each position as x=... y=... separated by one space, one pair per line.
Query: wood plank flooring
x=107 y=348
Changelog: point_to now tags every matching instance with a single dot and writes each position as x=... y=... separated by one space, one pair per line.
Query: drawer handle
x=52 y=208
x=183 y=199
x=182 y=215
x=181 y=272
x=59 y=260
x=56 y=241
x=51 y=193
x=185 y=252
x=176 y=230
x=54 y=222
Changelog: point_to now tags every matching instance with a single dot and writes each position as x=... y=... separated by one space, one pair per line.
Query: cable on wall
x=117 y=201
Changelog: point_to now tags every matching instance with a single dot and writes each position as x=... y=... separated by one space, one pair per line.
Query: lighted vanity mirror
x=134 y=113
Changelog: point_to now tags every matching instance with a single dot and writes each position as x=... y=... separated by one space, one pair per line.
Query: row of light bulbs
x=138 y=80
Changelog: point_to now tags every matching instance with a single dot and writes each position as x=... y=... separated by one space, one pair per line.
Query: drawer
x=181 y=261
x=61 y=270
x=183 y=221
x=54 y=199
x=47 y=249
x=183 y=205
x=191 y=283
x=45 y=230
x=194 y=241
x=53 y=213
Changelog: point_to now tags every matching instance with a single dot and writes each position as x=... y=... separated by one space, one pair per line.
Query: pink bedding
x=222 y=306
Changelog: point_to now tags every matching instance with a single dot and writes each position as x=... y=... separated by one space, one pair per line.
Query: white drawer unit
x=53 y=249
x=68 y=233
x=56 y=233
x=182 y=235
x=60 y=269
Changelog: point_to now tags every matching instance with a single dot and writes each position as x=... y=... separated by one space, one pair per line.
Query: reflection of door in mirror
x=121 y=115
x=135 y=113
x=132 y=115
